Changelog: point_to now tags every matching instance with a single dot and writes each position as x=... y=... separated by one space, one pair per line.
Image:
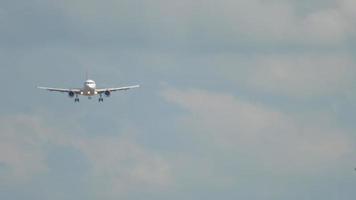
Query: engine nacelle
x=71 y=94
x=107 y=93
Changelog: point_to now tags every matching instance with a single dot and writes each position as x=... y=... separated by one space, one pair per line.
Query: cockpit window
x=89 y=82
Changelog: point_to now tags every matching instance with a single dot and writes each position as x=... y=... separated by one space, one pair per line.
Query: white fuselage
x=89 y=88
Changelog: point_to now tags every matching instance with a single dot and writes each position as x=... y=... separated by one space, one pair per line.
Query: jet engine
x=107 y=93
x=71 y=94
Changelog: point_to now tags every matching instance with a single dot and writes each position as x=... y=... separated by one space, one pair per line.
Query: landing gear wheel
x=76 y=100
x=101 y=98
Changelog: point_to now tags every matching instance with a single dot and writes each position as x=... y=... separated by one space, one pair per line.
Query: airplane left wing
x=59 y=89
x=116 y=89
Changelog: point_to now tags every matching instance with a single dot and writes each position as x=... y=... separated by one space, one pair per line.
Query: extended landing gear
x=76 y=99
x=101 y=98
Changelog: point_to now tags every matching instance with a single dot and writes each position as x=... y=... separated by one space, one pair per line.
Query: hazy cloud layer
x=188 y=23
x=240 y=99
x=117 y=165
x=296 y=75
x=277 y=140
x=122 y=166
x=22 y=143
x=227 y=20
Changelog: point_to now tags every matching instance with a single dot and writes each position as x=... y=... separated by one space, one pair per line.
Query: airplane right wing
x=76 y=91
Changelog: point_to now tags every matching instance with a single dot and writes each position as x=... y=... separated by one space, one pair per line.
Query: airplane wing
x=116 y=89
x=59 y=89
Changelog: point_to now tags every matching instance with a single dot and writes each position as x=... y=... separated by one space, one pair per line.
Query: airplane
x=89 y=89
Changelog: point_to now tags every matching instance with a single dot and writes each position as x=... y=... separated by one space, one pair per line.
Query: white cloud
x=281 y=21
x=225 y=21
x=22 y=141
x=122 y=166
x=302 y=76
x=118 y=164
x=295 y=75
x=328 y=26
x=271 y=138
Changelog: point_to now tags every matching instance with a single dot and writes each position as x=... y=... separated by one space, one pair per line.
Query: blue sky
x=239 y=99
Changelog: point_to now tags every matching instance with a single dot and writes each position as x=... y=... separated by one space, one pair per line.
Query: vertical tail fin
x=86 y=75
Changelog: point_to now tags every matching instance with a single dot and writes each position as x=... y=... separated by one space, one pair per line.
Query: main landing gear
x=101 y=99
x=76 y=99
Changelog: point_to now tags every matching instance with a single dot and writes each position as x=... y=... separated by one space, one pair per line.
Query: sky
x=239 y=99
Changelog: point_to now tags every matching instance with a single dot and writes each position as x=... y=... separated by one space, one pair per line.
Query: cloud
x=22 y=148
x=275 y=21
x=121 y=166
x=273 y=139
x=327 y=26
x=118 y=165
x=191 y=23
x=303 y=75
